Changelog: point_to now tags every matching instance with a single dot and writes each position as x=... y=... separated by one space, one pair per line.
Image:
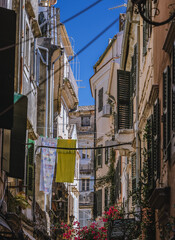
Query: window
x=166 y=113
x=107 y=155
x=100 y=100
x=124 y=100
x=85 y=121
x=106 y=197
x=99 y=156
x=27 y=46
x=133 y=166
x=173 y=88
x=99 y=202
x=147 y=28
x=118 y=178
x=85 y=185
x=30 y=167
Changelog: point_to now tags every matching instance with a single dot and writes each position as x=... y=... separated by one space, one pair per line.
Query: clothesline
x=82 y=148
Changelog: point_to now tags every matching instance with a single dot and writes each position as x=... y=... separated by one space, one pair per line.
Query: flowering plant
x=92 y=232
x=89 y=233
x=111 y=214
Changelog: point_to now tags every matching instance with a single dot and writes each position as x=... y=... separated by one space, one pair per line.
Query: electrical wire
x=65 y=21
x=80 y=51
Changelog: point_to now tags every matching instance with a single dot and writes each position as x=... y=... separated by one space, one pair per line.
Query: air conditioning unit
x=106 y=110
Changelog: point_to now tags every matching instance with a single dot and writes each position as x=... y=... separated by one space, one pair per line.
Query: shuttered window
x=133 y=166
x=30 y=168
x=100 y=100
x=107 y=155
x=99 y=202
x=166 y=113
x=173 y=89
x=99 y=156
x=133 y=72
x=156 y=140
x=106 y=197
x=147 y=28
x=150 y=151
x=118 y=179
x=124 y=114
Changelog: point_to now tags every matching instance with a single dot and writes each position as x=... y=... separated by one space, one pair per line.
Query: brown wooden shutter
x=123 y=99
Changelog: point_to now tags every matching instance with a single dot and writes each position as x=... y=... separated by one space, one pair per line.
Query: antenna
x=123 y=5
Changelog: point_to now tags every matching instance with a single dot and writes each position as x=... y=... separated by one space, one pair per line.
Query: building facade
x=83 y=117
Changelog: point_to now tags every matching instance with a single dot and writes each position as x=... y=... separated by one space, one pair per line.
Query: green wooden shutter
x=133 y=167
x=156 y=140
x=99 y=202
x=30 y=168
x=118 y=179
x=100 y=100
x=173 y=110
x=173 y=89
x=166 y=114
x=99 y=156
x=106 y=155
x=115 y=123
x=135 y=67
x=150 y=152
x=106 y=197
x=123 y=99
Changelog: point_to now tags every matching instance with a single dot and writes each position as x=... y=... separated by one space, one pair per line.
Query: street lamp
x=141 y=8
x=71 y=218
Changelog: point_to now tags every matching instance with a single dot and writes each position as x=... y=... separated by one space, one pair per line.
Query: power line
x=65 y=21
x=80 y=51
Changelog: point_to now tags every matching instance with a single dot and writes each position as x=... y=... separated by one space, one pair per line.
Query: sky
x=83 y=29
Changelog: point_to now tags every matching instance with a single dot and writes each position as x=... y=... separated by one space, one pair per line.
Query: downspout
x=137 y=110
x=34 y=60
x=95 y=137
x=21 y=47
x=52 y=94
x=47 y=86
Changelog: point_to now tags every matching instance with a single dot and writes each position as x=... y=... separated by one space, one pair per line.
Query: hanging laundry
x=48 y=159
x=66 y=160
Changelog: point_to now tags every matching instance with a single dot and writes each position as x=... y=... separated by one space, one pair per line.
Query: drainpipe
x=52 y=94
x=95 y=137
x=137 y=110
x=47 y=86
x=34 y=59
x=21 y=46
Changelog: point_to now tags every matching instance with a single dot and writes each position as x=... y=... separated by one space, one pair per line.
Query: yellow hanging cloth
x=66 y=161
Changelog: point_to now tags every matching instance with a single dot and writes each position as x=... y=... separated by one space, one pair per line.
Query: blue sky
x=83 y=29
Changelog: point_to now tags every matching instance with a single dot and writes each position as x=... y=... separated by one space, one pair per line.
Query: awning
x=4 y=223
x=28 y=234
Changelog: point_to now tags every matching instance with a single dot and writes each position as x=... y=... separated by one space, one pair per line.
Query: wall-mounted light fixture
x=141 y=7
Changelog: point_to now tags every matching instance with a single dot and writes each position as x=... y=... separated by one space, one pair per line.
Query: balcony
x=159 y=197
x=70 y=88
